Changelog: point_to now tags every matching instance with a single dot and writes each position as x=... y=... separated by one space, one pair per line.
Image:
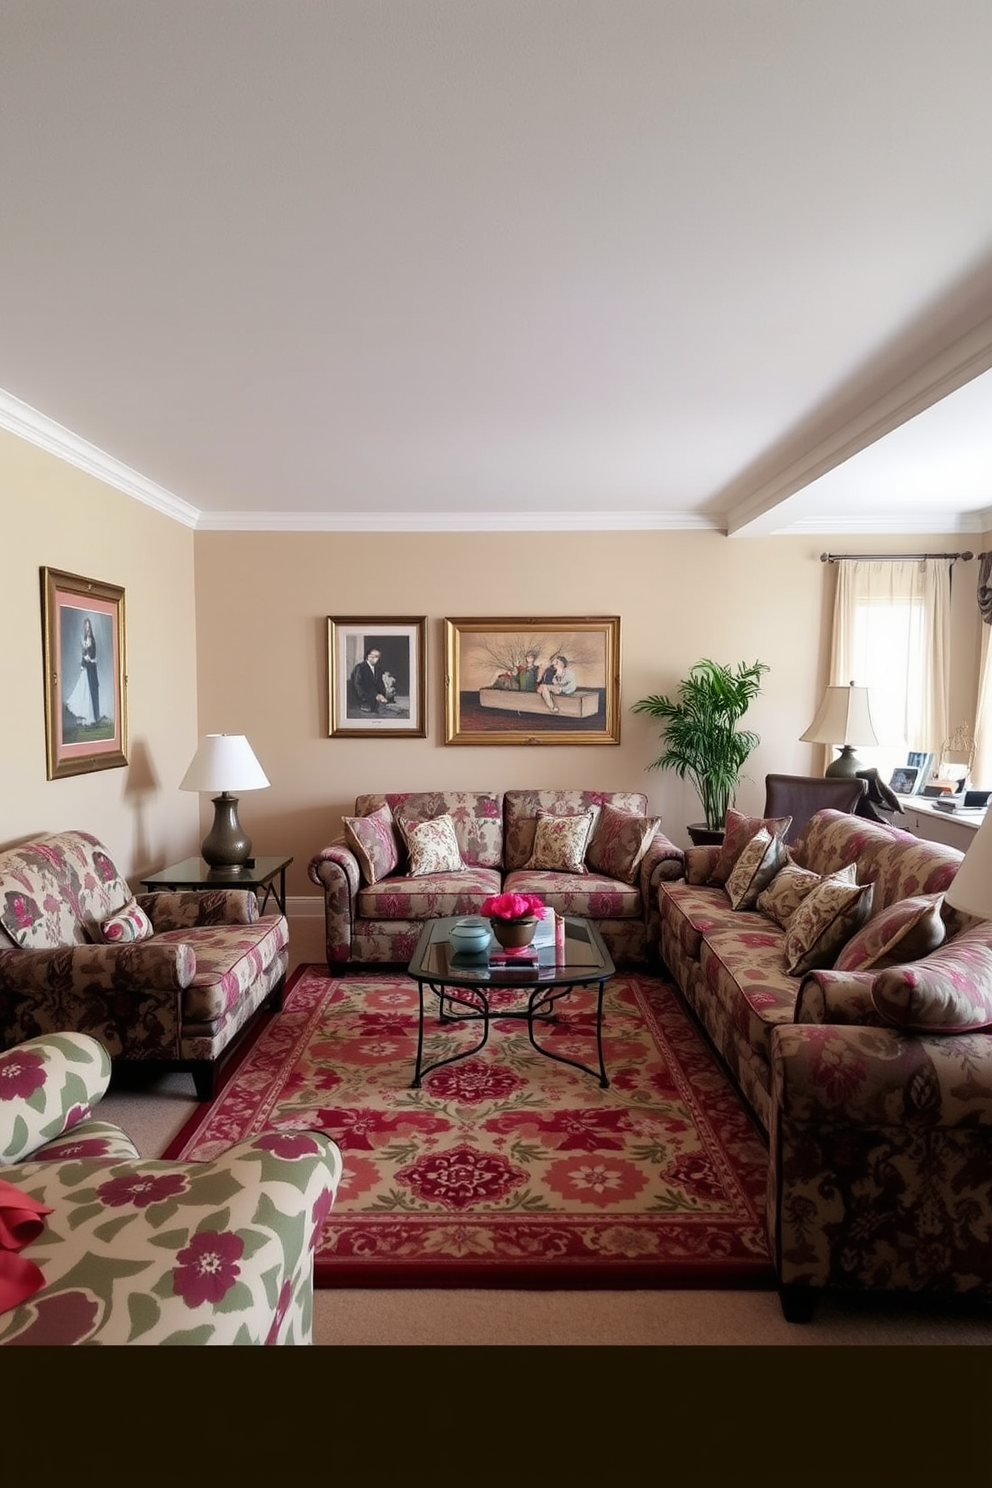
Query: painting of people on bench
x=533 y=681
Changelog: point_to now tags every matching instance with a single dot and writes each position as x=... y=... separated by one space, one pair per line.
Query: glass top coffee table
x=464 y=986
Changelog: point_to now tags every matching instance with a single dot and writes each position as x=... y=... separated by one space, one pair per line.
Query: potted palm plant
x=703 y=742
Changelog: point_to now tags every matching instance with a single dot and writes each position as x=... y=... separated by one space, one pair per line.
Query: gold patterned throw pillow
x=824 y=922
x=790 y=887
x=754 y=870
x=433 y=846
x=560 y=842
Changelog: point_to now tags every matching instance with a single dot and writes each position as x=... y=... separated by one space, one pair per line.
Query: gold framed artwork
x=532 y=681
x=377 y=677
x=83 y=641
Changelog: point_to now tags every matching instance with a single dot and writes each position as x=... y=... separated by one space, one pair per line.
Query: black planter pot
x=702 y=836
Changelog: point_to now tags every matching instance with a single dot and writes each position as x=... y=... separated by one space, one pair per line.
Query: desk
x=954 y=828
x=194 y=873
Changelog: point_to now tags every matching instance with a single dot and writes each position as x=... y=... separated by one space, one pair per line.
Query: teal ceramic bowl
x=470 y=937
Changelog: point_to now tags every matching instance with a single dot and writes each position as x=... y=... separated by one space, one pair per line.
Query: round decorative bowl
x=512 y=934
x=470 y=937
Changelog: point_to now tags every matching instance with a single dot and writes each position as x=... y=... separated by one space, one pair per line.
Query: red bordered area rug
x=508 y=1169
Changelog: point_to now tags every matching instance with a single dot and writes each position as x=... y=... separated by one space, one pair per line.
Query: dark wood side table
x=194 y=873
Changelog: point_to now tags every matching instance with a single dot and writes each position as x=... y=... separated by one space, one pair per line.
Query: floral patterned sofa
x=379 y=886
x=869 y=1067
x=98 y=1246
x=163 y=979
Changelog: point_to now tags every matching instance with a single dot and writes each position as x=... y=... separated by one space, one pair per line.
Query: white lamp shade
x=843 y=717
x=224 y=762
x=971 y=887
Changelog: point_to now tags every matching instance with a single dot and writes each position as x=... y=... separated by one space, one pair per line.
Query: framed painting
x=83 y=639
x=377 y=677
x=543 y=681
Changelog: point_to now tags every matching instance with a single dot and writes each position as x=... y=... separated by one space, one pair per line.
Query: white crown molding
x=36 y=428
x=938 y=522
x=454 y=522
x=858 y=416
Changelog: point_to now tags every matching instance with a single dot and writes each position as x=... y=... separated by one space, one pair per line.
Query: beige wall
x=263 y=601
x=227 y=632
x=55 y=516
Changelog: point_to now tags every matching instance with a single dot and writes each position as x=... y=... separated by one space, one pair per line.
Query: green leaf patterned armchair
x=138 y=1251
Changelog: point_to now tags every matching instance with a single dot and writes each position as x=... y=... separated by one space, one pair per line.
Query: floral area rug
x=507 y=1169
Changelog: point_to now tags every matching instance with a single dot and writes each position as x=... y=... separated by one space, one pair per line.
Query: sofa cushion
x=790 y=887
x=229 y=960
x=57 y=889
x=737 y=833
x=619 y=842
x=824 y=921
x=903 y=932
x=587 y=895
x=948 y=992
x=560 y=842
x=129 y=923
x=755 y=869
x=744 y=969
x=520 y=809
x=690 y=911
x=429 y=896
x=373 y=840
x=432 y=846
x=477 y=817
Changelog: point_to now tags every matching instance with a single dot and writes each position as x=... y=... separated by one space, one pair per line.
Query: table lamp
x=225 y=763
x=843 y=719
x=970 y=889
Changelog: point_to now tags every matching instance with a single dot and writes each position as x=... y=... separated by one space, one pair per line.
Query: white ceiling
x=505 y=263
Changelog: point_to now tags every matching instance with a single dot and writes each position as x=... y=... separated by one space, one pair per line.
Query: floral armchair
x=166 y=980
x=133 y=1251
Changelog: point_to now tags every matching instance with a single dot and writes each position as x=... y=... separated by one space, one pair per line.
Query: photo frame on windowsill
x=83 y=641
x=501 y=688
x=905 y=780
x=376 y=677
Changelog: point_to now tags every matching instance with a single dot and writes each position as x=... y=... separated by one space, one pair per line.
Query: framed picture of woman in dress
x=543 y=681
x=85 y=679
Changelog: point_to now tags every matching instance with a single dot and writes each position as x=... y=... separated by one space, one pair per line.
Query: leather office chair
x=802 y=796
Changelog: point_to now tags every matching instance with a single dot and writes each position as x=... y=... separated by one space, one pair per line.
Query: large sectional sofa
x=870 y=1071
x=375 y=905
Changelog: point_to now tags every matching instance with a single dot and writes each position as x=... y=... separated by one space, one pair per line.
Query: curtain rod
x=888 y=557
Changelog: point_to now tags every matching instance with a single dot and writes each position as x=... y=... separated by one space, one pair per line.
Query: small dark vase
x=512 y=934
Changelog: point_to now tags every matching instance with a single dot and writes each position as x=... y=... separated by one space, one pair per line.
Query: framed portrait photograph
x=377 y=677
x=82 y=623
x=542 y=681
x=922 y=762
x=905 y=780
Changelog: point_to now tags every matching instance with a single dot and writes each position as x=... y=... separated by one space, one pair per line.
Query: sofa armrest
x=878 y=1078
x=155 y=1252
x=335 y=870
x=837 y=997
x=47 y=1086
x=662 y=863
x=148 y=966
x=700 y=862
x=184 y=909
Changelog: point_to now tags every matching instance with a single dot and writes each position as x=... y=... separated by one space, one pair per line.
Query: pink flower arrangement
x=512 y=906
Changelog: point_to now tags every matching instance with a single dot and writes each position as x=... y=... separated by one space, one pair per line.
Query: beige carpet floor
x=152 y=1116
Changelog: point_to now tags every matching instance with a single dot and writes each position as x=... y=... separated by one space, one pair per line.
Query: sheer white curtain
x=892 y=635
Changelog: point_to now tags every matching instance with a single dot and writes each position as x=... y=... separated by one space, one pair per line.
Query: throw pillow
x=906 y=931
x=949 y=992
x=619 y=842
x=790 y=887
x=128 y=923
x=372 y=839
x=763 y=857
x=824 y=922
x=433 y=846
x=737 y=833
x=560 y=842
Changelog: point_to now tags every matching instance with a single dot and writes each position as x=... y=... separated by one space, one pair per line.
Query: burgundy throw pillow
x=738 y=831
